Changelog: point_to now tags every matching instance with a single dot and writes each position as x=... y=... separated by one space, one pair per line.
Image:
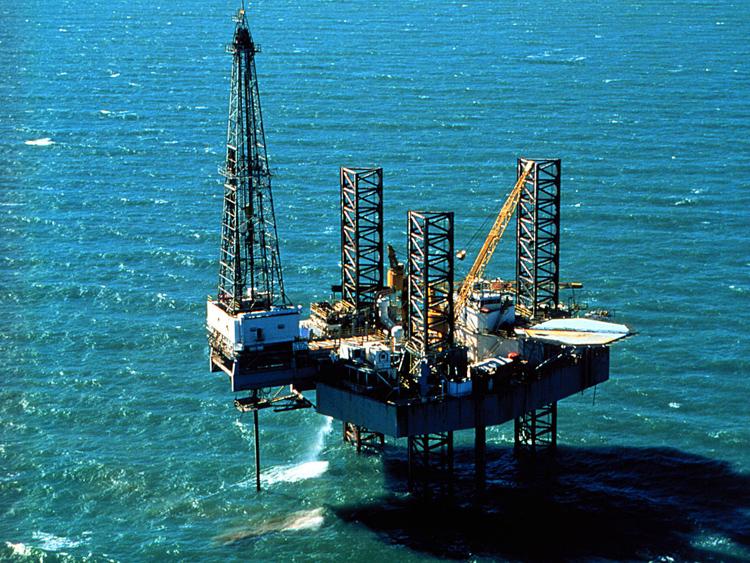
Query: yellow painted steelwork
x=493 y=238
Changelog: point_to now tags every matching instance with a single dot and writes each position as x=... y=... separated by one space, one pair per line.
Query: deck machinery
x=410 y=354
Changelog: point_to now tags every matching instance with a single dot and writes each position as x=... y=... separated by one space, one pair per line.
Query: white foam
x=51 y=542
x=686 y=201
x=295 y=473
x=311 y=468
x=320 y=439
x=46 y=141
x=19 y=549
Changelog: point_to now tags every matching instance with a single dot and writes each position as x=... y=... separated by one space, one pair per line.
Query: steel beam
x=363 y=438
x=430 y=458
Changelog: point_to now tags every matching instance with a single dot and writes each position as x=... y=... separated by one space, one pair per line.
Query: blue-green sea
x=116 y=443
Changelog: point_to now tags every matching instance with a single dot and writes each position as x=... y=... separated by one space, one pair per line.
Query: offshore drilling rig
x=411 y=353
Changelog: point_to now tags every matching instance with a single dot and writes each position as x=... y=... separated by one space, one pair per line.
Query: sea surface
x=116 y=443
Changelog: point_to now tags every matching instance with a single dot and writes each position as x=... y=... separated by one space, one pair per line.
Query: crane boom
x=493 y=238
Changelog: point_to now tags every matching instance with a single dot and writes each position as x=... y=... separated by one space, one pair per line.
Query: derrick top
x=242 y=40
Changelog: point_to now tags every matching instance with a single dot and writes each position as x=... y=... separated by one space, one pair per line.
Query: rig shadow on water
x=614 y=503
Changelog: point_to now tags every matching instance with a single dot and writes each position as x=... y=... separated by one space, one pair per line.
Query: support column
x=293 y=401
x=257 y=450
x=536 y=431
x=431 y=463
x=430 y=324
x=363 y=438
x=430 y=333
x=480 y=455
x=361 y=235
x=538 y=240
x=480 y=432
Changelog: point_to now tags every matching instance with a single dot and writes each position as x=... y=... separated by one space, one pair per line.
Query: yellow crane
x=493 y=238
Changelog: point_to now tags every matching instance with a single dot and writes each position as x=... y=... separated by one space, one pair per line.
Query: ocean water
x=115 y=441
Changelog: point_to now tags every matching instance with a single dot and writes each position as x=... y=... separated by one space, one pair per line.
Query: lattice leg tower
x=431 y=463
x=363 y=438
x=536 y=431
x=430 y=333
x=538 y=240
x=430 y=270
x=361 y=235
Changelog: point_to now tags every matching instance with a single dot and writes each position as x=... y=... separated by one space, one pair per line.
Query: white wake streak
x=46 y=141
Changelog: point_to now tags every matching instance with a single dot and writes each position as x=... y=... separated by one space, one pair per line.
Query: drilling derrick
x=250 y=276
x=253 y=328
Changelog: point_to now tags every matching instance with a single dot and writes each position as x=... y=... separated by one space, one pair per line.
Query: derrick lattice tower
x=250 y=275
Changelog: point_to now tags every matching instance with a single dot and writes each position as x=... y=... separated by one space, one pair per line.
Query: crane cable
x=492 y=240
x=478 y=230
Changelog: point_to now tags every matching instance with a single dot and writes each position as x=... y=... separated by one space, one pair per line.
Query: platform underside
x=461 y=413
x=301 y=377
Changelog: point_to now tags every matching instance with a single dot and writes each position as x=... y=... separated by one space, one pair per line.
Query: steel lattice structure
x=538 y=240
x=430 y=271
x=536 y=430
x=430 y=462
x=361 y=235
x=250 y=276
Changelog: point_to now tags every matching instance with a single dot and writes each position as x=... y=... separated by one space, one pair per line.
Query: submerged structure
x=405 y=351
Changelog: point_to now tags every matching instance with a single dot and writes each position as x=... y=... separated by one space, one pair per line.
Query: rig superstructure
x=409 y=353
x=253 y=327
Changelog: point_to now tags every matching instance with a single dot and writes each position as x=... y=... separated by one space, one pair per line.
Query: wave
x=309 y=469
x=18 y=549
x=320 y=439
x=51 y=542
x=294 y=473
